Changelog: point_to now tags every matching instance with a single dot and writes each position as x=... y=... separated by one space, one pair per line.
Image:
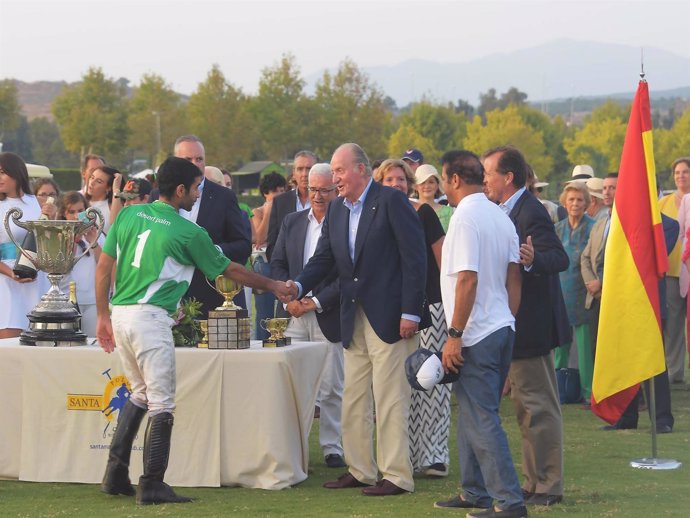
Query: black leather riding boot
x=152 y=489
x=116 y=479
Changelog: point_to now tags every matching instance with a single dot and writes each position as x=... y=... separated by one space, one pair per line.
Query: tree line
x=103 y=115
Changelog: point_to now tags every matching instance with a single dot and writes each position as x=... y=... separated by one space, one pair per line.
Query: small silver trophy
x=55 y=321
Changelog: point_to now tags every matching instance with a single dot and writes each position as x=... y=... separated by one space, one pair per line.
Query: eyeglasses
x=323 y=190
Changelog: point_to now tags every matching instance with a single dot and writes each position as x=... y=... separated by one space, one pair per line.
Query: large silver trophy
x=55 y=321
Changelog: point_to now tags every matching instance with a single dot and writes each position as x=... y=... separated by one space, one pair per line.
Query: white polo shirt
x=482 y=239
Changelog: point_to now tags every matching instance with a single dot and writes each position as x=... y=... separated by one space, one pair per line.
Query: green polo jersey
x=156 y=251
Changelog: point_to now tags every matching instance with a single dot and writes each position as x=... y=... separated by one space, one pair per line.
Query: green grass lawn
x=599 y=482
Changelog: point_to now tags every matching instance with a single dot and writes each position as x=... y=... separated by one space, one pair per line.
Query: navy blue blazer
x=283 y=204
x=287 y=262
x=221 y=216
x=388 y=275
x=541 y=322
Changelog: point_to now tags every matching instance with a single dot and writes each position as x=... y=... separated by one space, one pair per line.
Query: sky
x=180 y=41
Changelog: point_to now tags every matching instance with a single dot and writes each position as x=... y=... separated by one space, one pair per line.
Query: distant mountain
x=36 y=98
x=558 y=69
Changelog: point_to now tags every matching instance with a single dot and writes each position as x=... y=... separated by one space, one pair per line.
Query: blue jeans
x=487 y=467
x=264 y=303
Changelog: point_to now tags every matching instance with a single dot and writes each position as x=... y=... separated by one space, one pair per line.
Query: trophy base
x=47 y=330
x=61 y=328
x=227 y=332
x=275 y=342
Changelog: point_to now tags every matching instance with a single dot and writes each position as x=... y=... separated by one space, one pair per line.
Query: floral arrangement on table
x=187 y=330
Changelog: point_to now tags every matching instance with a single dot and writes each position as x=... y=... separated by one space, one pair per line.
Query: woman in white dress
x=99 y=192
x=17 y=296
x=72 y=204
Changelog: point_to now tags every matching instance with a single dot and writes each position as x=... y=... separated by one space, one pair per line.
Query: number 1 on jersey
x=140 y=248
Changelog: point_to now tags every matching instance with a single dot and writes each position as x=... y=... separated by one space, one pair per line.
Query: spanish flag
x=629 y=343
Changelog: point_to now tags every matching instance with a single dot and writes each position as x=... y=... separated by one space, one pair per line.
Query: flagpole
x=653 y=462
x=652 y=413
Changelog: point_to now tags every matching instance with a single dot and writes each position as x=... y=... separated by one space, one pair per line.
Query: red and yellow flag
x=629 y=342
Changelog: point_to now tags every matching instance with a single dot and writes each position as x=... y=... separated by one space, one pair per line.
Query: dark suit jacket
x=287 y=263
x=388 y=275
x=283 y=204
x=541 y=322
x=221 y=216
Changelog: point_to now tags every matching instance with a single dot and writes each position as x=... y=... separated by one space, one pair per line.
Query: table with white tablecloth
x=242 y=419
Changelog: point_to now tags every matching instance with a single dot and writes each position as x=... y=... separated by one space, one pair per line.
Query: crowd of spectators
x=370 y=235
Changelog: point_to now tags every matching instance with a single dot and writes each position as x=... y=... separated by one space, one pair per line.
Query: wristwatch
x=455 y=333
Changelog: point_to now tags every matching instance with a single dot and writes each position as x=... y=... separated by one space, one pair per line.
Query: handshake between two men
x=285 y=292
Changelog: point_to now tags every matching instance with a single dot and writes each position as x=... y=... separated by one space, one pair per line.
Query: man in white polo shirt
x=480 y=288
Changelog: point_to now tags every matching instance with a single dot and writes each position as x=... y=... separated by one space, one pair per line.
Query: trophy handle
x=16 y=214
x=262 y=323
x=209 y=283
x=94 y=217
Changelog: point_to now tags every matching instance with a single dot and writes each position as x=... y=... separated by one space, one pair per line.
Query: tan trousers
x=534 y=392
x=370 y=363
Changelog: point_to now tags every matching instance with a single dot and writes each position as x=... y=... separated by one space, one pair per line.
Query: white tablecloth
x=242 y=419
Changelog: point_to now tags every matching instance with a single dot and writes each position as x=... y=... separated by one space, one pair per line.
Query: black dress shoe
x=317 y=412
x=518 y=512
x=345 y=481
x=619 y=426
x=544 y=499
x=664 y=428
x=459 y=503
x=333 y=460
x=383 y=488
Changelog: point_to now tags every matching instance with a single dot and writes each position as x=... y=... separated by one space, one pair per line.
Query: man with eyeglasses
x=315 y=318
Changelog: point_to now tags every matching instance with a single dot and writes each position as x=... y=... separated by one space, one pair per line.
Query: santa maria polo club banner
x=71 y=399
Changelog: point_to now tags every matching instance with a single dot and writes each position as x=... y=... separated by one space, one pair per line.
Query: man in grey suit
x=291 y=201
x=315 y=318
x=592 y=258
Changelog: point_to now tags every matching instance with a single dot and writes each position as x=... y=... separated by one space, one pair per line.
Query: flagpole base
x=655 y=464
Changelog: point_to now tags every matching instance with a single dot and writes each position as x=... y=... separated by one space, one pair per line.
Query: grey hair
x=186 y=138
x=306 y=153
x=324 y=170
x=358 y=154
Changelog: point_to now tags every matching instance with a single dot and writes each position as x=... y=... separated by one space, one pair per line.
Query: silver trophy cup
x=55 y=321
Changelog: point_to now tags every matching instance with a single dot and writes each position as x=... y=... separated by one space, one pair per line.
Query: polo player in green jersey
x=156 y=251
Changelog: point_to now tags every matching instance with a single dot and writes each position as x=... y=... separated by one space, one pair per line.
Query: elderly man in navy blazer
x=373 y=237
x=316 y=318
